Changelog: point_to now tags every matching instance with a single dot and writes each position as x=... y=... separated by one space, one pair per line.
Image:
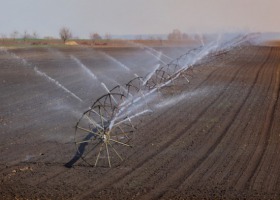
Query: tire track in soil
x=182 y=174
x=235 y=162
x=250 y=136
x=272 y=178
x=264 y=68
x=216 y=166
x=218 y=170
x=245 y=181
x=166 y=145
x=262 y=180
x=275 y=179
x=244 y=156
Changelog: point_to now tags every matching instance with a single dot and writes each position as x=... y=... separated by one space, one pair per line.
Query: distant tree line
x=66 y=34
x=25 y=35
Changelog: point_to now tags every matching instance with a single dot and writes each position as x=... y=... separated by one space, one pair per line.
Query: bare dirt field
x=221 y=141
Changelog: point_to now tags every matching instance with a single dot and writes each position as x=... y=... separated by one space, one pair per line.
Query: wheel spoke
x=89 y=131
x=98 y=114
x=98 y=155
x=120 y=134
x=115 y=151
x=120 y=142
x=108 y=155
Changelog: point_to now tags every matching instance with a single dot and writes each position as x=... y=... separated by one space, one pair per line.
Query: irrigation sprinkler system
x=108 y=125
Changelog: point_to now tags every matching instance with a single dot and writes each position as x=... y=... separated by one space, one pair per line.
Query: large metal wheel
x=103 y=130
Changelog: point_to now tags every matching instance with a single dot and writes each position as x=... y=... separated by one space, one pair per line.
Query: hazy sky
x=46 y=17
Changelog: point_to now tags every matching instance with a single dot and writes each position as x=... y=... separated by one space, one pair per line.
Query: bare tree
x=95 y=36
x=14 y=34
x=65 y=34
x=26 y=36
x=175 y=35
x=35 y=35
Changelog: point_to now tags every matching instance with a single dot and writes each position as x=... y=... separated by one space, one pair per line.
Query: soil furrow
x=243 y=139
x=219 y=159
x=265 y=133
x=245 y=179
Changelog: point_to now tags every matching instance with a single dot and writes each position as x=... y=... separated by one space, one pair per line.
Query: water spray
x=56 y=82
x=115 y=61
x=41 y=73
x=84 y=67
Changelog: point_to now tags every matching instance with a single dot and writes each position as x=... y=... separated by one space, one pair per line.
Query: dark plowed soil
x=219 y=140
